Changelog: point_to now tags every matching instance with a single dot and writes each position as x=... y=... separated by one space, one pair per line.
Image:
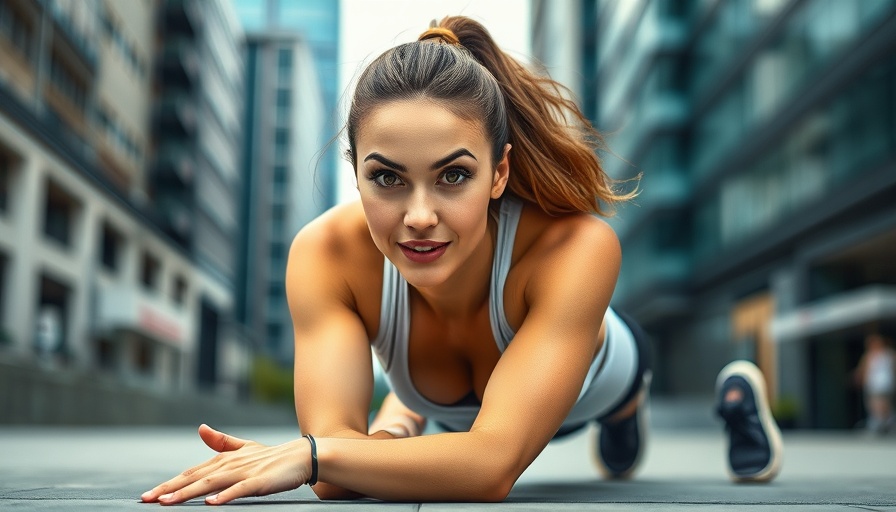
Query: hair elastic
x=313 y=479
x=445 y=34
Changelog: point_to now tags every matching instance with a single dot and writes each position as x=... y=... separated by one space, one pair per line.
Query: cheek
x=466 y=218
x=381 y=219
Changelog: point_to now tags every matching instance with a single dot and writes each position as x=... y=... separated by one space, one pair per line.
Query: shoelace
x=740 y=420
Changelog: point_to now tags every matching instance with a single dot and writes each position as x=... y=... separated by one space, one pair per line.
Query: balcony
x=654 y=287
x=180 y=17
x=174 y=163
x=78 y=39
x=175 y=217
x=178 y=62
x=175 y=113
x=662 y=190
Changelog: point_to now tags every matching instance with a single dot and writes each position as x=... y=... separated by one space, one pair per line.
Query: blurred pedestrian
x=876 y=374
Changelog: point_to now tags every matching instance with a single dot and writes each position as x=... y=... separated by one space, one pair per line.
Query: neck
x=465 y=293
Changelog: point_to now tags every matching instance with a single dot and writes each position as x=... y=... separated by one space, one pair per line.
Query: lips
x=423 y=251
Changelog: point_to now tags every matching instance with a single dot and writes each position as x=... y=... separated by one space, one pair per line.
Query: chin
x=423 y=278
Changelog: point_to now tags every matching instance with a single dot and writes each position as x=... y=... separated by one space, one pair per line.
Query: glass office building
x=290 y=51
x=317 y=21
x=766 y=226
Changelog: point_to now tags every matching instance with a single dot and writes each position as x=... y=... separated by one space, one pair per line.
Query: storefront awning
x=134 y=310
x=841 y=311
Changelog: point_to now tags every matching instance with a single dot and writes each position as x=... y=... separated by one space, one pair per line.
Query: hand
x=241 y=468
x=399 y=427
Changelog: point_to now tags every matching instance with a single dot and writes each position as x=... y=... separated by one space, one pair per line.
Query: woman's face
x=425 y=177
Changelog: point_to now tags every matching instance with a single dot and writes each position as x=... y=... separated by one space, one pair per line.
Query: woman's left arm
x=529 y=394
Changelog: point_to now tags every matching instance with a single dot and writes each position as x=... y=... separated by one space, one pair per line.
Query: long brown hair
x=554 y=160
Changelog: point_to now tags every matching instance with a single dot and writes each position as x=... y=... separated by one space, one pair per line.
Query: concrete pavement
x=108 y=468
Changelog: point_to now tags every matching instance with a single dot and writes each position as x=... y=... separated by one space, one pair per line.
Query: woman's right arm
x=333 y=367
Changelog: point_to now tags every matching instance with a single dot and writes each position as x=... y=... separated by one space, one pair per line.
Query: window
x=284 y=58
x=283 y=97
x=59 y=212
x=64 y=81
x=276 y=289
x=50 y=334
x=281 y=136
x=5 y=182
x=110 y=247
x=143 y=358
x=179 y=293
x=4 y=265
x=280 y=173
x=105 y=354
x=16 y=28
x=150 y=270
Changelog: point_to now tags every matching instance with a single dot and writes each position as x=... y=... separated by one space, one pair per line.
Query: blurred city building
x=766 y=225
x=195 y=178
x=119 y=140
x=317 y=22
x=284 y=131
x=291 y=51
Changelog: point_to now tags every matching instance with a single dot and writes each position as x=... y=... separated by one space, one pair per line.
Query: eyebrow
x=439 y=163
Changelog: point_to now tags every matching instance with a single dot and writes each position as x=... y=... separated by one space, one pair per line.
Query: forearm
x=468 y=466
x=328 y=491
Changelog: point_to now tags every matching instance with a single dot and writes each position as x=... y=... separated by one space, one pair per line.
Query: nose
x=421 y=212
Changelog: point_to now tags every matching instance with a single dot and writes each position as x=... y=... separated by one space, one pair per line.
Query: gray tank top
x=609 y=378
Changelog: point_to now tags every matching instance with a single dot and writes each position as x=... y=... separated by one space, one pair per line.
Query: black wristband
x=313 y=479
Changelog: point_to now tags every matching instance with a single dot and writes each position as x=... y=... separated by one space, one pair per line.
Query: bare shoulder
x=559 y=255
x=544 y=238
x=337 y=233
x=334 y=252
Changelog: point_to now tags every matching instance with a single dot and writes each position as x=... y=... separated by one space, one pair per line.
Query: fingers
x=250 y=487
x=219 y=441
x=210 y=485
x=180 y=481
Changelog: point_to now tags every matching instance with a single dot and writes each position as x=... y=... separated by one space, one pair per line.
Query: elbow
x=497 y=491
x=327 y=492
x=496 y=485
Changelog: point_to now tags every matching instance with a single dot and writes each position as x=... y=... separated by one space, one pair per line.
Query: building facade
x=284 y=122
x=317 y=21
x=195 y=179
x=766 y=135
x=91 y=276
x=290 y=150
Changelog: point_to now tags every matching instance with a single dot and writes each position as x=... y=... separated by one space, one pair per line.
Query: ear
x=502 y=173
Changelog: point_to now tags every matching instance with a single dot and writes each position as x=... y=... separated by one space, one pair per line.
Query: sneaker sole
x=643 y=412
x=754 y=377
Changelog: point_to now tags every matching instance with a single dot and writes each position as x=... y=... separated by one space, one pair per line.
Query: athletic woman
x=475 y=267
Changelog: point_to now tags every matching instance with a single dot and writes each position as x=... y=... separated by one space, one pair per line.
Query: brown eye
x=455 y=177
x=386 y=179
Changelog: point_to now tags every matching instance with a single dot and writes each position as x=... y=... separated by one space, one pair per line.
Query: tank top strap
x=394 y=312
x=508 y=220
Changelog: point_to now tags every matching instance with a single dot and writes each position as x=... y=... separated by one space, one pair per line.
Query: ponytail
x=554 y=160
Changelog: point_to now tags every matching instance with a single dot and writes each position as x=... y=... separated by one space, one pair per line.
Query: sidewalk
x=108 y=468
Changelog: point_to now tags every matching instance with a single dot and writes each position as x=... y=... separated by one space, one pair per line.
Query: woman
x=876 y=374
x=477 y=183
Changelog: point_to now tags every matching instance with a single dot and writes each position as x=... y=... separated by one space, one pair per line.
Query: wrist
x=314 y=462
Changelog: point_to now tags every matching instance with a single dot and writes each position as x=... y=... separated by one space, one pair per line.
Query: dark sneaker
x=755 y=448
x=620 y=445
